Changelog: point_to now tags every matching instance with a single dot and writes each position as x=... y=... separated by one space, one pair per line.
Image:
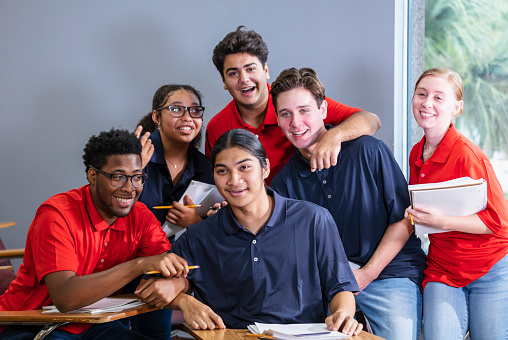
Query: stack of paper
x=315 y=331
x=458 y=197
x=200 y=193
x=106 y=305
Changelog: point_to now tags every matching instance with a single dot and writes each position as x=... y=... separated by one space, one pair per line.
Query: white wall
x=71 y=69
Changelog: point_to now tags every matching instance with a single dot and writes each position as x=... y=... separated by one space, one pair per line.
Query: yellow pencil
x=262 y=336
x=158 y=272
x=411 y=218
x=171 y=207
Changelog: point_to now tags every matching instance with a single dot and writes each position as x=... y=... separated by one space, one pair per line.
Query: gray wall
x=71 y=69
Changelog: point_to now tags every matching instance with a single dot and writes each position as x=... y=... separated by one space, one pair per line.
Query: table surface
x=241 y=334
x=33 y=317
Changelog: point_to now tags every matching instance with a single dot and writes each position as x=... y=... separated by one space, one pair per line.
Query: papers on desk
x=458 y=197
x=106 y=305
x=200 y=193
x=315 y=331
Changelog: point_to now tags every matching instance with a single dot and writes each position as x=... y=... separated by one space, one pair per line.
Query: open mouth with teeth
x=299 y=133
x=236 y=192
x=247 y=90
x=426 y=115
x=124 y=202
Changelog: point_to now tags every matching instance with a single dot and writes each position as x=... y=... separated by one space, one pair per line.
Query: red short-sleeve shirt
x=68 y=233
x=457 y=258
x=278 y=148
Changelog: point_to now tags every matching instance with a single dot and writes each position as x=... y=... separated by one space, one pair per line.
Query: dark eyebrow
x=236 y=68
x=239 y=162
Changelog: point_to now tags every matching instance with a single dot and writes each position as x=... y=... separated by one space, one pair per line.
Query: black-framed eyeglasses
x=177 y=111
x=119 y=180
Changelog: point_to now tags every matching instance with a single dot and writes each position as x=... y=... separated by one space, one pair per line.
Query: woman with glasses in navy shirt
x=178 y=114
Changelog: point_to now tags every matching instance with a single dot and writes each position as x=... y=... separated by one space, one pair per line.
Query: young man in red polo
x=241 y=59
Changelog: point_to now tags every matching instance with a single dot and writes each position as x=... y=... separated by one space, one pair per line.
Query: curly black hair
x=112 y=142
x=239 y=41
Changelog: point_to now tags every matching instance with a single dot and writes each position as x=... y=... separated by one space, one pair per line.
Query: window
x=471 y=38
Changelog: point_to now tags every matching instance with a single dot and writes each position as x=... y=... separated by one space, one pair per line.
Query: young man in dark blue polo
x=367 y=195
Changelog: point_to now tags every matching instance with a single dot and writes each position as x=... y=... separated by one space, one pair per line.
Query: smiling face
x=183 y=129
x=245 y=78
x=300 y=119
x=112 y=202
x=239 y=177
x=435 y=103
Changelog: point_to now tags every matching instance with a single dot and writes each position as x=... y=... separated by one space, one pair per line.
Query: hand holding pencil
x=184 y=214
x=167 y=264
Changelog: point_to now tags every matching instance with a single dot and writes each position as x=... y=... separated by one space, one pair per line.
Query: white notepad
x=200 y=193
x=458 y=197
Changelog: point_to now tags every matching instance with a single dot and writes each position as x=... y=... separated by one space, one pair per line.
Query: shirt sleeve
x=495 y=215
x=334 y=270
x=53 y=245
x=153 y=239
x=392 y=183
x=338 y=112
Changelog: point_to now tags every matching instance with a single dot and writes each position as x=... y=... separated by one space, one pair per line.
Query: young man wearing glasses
x=241 y=59
x=87 y=243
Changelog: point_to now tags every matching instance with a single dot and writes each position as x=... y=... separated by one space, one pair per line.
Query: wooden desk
x=240 y=334
x=7 y=224
x=51 y=321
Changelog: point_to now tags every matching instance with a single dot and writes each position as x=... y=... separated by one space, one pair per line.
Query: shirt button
x=423 y=175
x=255 y=259
x=329 y=196
x=324 y=181
x=102 y=260
x=254 y=242
x=106 y=244
x=257 y=136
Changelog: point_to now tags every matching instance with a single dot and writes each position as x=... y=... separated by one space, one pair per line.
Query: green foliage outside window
x=471 y=38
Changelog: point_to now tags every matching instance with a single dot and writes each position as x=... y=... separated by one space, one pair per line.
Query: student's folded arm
x=342 y=309
x=68 y=291
x=161 y=291
x=394 y=238
x=196 y=314
x=327 y=150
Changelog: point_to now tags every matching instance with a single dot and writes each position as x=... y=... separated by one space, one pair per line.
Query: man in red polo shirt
x=241 y=59
x=87 y=243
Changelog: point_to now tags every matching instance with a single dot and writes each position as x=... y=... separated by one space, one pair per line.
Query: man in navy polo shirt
x=366 y=193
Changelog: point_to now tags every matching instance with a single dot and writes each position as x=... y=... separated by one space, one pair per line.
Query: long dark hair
x=241 y=139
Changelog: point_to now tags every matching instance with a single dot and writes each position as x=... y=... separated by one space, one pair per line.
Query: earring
x=159 y=127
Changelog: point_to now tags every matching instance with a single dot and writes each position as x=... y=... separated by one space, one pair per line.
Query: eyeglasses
x=177 y=111
x=119 y=180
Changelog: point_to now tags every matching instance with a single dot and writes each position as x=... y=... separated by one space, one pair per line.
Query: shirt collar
x=98 y=223
x=158 y=154
x=278 y=216
x=443 y=150
x=270 y=117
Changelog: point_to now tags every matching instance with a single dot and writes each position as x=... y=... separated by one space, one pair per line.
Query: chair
x=6 y=273
x=361 y=318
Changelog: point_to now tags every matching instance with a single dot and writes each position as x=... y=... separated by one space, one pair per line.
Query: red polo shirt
x=457 y=258
x=68 y=233
x=278 y=148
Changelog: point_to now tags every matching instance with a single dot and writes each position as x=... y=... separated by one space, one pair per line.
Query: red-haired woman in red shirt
x=466 y=278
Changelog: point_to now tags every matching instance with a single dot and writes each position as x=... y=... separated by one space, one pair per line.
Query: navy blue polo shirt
x=159 y=189
x=365 y=193
x=286 y=273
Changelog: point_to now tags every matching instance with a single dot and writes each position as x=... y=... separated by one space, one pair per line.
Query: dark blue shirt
x=365 y=193
x=287 y=273
x=159 y=189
